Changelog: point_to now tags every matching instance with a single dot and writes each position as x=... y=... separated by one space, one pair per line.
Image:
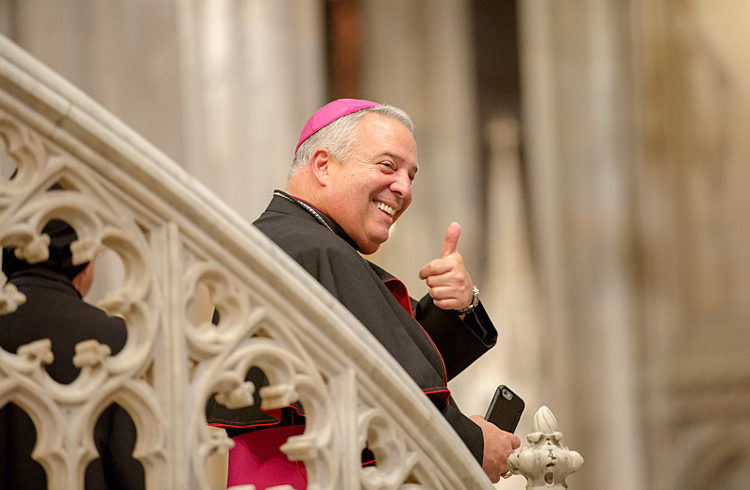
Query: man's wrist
x=474 y=303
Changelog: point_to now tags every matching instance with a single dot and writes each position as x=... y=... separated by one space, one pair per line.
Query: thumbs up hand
x=450 y=285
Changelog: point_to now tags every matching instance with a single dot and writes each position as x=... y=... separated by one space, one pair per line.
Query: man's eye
x=388 y=165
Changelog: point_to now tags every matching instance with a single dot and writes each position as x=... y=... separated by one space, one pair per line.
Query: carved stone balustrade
x=175 y=239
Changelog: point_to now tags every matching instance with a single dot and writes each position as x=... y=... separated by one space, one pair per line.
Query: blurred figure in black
x=55 y=309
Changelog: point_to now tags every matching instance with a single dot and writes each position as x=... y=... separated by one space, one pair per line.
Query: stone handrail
x=175 y=239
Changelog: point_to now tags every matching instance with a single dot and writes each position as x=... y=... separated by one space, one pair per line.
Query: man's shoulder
x=64 y=318
x=273 y=222
x=312 y=245
x=298 y=233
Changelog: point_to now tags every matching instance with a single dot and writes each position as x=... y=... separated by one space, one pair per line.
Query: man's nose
x=402 y=185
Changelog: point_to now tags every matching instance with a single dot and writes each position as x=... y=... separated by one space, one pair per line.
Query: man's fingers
x=439 y=280
x=442 y=293
x=449 y=283
x=446 y=304
x=435 y=267
x=450 y=244
x=444 y=298
x=515 y=442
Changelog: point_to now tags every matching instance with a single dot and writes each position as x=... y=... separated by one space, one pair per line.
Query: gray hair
x=339 y=136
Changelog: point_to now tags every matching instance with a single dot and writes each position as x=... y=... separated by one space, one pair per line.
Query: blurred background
x=596 y=153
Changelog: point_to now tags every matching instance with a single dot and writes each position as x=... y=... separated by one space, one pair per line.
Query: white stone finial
x=545 y=463
x=544 y=420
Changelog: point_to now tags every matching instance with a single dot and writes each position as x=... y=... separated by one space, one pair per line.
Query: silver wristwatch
x=473 y=305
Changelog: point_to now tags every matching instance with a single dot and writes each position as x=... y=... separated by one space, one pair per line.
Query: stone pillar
x=694 y=100
x=222 y=87
x=577 y=127
x=121 y=53
x=415 y=56
x=253 y=72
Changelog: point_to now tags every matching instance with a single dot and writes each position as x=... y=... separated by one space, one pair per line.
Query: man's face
x=369 y=191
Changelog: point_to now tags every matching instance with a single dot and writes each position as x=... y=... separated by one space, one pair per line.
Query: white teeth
x=385 y=207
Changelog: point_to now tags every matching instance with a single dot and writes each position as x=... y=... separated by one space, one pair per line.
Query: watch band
x=473 y=305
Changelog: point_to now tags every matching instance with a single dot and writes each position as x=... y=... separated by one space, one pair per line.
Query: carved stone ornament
x=545 y=463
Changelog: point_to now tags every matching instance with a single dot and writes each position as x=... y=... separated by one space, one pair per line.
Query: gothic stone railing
x=175 y=239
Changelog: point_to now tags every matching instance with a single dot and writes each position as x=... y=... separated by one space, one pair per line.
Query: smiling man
x=350 y=180
x=361 y=183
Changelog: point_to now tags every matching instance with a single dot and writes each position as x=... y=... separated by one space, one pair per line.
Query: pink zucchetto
x=329 y=113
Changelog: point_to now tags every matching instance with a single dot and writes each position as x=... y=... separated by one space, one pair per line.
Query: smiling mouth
x=385 y=208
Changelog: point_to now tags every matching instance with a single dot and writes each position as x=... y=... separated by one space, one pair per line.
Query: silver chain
x=306 y=207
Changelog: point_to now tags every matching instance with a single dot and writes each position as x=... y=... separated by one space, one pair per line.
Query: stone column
x=121 y=53
x=253 y=72
x=694 y=100
x=415 y=56
x=577 y=126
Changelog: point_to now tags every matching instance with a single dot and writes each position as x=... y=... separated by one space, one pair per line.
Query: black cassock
x=431 y=344
x=55 y=310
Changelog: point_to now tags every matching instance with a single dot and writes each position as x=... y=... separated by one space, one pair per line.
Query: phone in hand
x=505 y=409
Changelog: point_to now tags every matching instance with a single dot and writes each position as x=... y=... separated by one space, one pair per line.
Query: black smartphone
x=505 y=409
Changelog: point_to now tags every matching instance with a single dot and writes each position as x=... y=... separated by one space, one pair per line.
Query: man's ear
x=84 y=279
x=320 y=163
